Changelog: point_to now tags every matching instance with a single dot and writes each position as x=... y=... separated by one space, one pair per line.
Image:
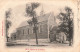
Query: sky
x=18 y=12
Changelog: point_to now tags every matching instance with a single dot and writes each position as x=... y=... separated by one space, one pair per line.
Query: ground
x=32 y=42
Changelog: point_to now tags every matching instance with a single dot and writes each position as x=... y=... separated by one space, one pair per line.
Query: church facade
x=45 y=22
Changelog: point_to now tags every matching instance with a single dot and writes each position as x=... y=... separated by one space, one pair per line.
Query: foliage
x=30 y=10
x=67 y=23
x=8 y=13
x=8 y=24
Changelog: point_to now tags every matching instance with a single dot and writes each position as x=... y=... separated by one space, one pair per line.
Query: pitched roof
x=24 y=23
x=48 y=16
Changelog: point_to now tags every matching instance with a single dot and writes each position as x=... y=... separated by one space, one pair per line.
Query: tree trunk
x=36 y=37
x=70 y=33
x=6 y=30
x=35 y=31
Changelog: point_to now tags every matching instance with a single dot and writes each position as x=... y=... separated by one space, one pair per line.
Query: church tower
x=42 y=11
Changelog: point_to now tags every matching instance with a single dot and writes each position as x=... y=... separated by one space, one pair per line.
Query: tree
x=67 y=23
x=30 y=10
x=70 y=23
x=8 y=22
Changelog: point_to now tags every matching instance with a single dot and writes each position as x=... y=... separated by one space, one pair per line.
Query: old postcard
x=39 y=26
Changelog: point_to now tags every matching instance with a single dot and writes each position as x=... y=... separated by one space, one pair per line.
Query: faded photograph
x=39 y=24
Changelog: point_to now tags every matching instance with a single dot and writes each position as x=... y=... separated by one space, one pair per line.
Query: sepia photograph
x=39 y=24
